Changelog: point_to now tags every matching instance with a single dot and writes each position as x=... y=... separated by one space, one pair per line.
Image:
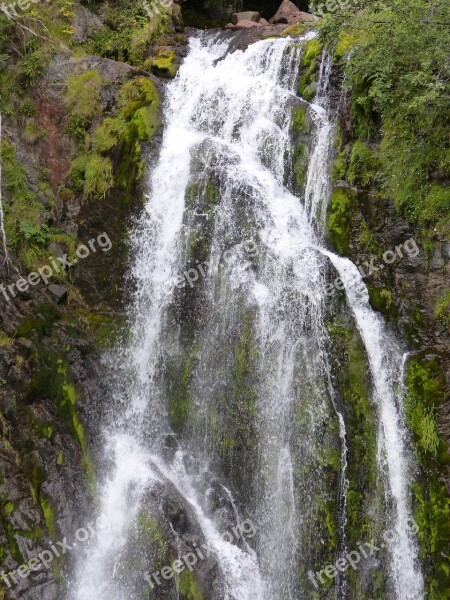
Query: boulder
x=263 y=22
x=59 y=292
x=288 y=13
x=248 y=15
x=245 y=24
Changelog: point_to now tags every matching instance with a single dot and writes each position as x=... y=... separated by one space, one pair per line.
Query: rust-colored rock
x=288 y=13
x=248 y=15
x=244 y=24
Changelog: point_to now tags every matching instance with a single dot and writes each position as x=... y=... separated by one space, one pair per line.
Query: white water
x=386 y=362
x=240 y=106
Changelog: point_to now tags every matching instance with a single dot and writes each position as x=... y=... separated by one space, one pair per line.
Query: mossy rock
x=301 y=165
x=164 y=64
x=300 y=121
x=309 y=66
x=339 y=218
x=382 y=300
x=187 y=586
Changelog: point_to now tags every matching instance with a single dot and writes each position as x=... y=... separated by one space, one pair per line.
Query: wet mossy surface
x=426 y=392
x=310 y=61
x=350 y=371
x=340 y=213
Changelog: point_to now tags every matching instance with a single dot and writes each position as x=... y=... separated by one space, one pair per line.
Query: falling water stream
x=219 y=204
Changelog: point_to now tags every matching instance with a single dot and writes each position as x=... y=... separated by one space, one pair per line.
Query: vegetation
x=398 y=77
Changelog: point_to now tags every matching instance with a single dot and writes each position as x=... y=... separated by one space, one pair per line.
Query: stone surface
x=85 y=23
x=59 y=292
x=248 y=15
x=288 y=13
x=245 y=24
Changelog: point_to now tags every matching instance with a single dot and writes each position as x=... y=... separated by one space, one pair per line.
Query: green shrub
x=399 y=81
x=363 y=165
x=108 y=134
x=442 y=309
x=92 y=173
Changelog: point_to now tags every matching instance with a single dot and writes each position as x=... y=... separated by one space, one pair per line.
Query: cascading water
x=228 y=336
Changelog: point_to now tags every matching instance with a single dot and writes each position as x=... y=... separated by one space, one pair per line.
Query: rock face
x=245 y=23
x=249 y=15
x=288 y=13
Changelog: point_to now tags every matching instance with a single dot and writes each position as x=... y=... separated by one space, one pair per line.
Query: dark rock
x=85 y=23
x=59 y=292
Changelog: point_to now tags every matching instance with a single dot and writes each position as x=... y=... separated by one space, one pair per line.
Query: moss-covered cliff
x=80 y=104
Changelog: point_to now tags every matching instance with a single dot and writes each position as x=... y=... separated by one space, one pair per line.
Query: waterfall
x=227 y=333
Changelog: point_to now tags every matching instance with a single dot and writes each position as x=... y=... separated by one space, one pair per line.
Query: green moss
x=425 y=382
x=363 y=165
x=442 y=309
x=339 y=167
x=83 y=94
x=338 y=223
x=92 y=173
x=299 y=120
x=165 y=64
x=382 y=299
x=139 y=106
x=432 y=515
x=435 y=210
x=137 y=120
x=233 y=417
x=367 y=239
x=309 y=67
x=151 y=528
x=294 y=30
x=49 y=516
x=179 y=400
x=300 y=165
x=197 y=246
x=350 y=369
x=40 y=323
x=188 y=587
x=109 y=133
x=311 y=51
x=346 y=41
x=52 y=381
x=8 y=508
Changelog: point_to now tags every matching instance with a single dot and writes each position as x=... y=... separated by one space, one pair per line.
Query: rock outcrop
x=289 y=14
x=249 y=15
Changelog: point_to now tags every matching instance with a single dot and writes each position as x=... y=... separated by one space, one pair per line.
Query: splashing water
x=228 y=118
